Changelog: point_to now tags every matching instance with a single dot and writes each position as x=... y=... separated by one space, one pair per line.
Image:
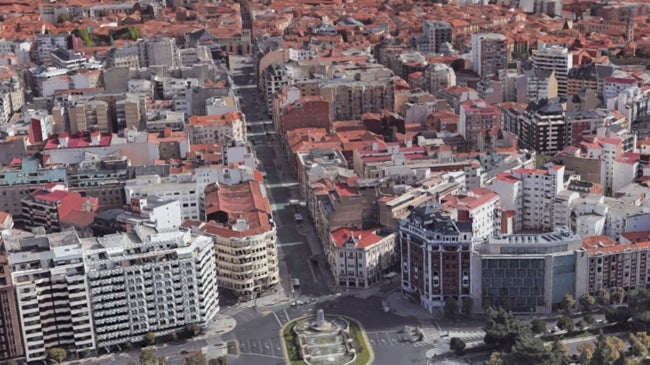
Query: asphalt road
x=281 y=186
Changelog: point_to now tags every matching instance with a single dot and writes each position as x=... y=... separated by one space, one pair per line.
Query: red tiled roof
x=366 y=238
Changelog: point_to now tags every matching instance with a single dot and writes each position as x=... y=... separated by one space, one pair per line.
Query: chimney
x=63 y=140
x=94 y=138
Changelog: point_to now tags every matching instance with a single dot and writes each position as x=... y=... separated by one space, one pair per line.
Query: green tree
x=587 y=302
x=161 y=360
x=221 y=360
x=558 y=353
x=133 y=33
x=617 y=296
x=496 y=358
x=128 y=345
x=173 y=336
x=503 y=329
x=192 y=329
x=568 y=302
x=57 y=354
x=149 y=338
x=12 y=362
x=538 y=326
x=639 y=305
x=603 y=298
x=131 y=362
x=637 y=348
x=608 y=351
x=467 y=305
x=589 y=319
x=565 y=323
x=617 y=315
x=147 y=357
x=85 y=36
x=585 y=353
x=451 y=307
x=457 y=345
x=62 y=18
x=529 y=350
x=196 y=359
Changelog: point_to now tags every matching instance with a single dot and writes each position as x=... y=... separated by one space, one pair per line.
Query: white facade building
x=529 y=193
x=554 y=58
x=154 y=279
x=52 y=293
x=178 y=187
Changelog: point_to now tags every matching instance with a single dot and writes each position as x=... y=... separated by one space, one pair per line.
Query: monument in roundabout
x=320 y=339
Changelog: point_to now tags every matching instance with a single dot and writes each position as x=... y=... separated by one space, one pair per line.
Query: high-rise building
x=435 y=34
x=528 y=193
x=155 y=278
x=554 y=58
x=11 y=345
x=435 y=257
x=489 y=53
x=52 y=293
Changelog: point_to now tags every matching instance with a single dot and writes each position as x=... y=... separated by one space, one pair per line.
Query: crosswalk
x=466 y=335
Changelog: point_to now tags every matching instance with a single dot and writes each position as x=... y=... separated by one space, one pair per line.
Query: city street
x=293 y=241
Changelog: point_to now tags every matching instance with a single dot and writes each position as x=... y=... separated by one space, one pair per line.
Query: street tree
x=147 y=357
x=149 y=338
x=57 y=354
x=617 y=295
x=637 y=347
x=608 y=351
x=589 y=319
x=196 y=359
x=568 y=302
x=565 y=323
x=558 y=353
x=503 y=329
x=587 y=302
x=585 y=353
x=529 y=350
x=192 y=329
x=603 y=297
x=538 y=326
x=457 y=345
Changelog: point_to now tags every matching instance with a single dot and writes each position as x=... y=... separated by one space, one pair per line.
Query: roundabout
x=319 y=339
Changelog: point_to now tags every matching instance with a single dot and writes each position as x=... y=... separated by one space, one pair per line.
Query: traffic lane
x=369 y=312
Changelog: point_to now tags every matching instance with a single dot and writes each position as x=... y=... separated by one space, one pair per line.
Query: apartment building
x=540 y=84
x=541 y=126
x=361 y=258
x=222 y=129
x=180 y=187
x=614 y=85
x=437 y=77
x=20 y=177
x=434 y=34
x=435 y=255
x=528 y=193
x=11 y=344
x=481 y=207
x=155 y=278
x=52 y=293
x=527 y=273
x=610 y=265
x=54 y=208
x=476 y=116
x=590 y=76
x=489 y=53
x=89 y=115
x=245 y=238
x=554 y=58
x=130 y=113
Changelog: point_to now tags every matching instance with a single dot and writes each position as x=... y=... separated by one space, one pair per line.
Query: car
x=184 y=352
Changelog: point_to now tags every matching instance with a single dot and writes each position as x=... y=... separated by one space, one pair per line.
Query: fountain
x=321 y=324
x=324 y=340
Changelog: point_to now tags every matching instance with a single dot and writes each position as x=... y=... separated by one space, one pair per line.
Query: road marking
x=263 y=355
x=277 y=318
